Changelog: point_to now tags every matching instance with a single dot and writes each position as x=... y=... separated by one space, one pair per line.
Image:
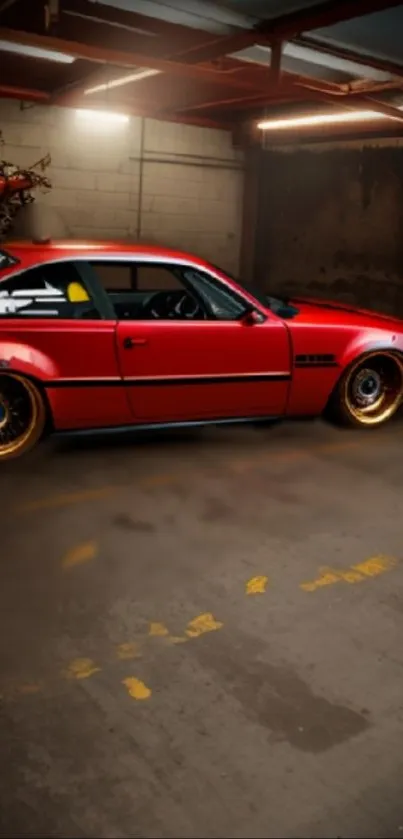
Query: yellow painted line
x=64 y=500
x=256 y=585
x=177 y=639
x=81 y=668
x=327 y=578
x=80 y=554
x=203 y=623
x=158 y=630
x=136 y=688
x=372 y=567
x=128 y=651
x=375 y=566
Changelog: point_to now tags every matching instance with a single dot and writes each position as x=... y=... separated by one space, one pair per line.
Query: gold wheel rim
x=373 y=389
x=18 y=442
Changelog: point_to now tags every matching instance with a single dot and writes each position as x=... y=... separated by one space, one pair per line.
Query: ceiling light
x=36 y=52
x=320 y=119
x=132 y=77
x=95 y=118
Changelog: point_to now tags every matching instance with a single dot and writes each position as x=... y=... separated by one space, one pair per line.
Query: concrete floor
x=201 y=636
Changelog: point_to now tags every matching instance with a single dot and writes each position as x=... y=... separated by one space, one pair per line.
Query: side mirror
x=251 y=317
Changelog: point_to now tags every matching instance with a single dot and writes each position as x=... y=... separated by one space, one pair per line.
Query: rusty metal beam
x=349 y=55
x=103 y=55
x=357 y=103
x=275 y=63
x=109 y=16
x=27 y=94
x=289 y=26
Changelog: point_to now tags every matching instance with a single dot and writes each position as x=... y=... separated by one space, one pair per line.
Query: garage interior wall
x=160 y=182
x=330 y=223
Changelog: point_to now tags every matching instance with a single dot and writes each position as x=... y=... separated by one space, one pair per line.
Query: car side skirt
x=155 y=426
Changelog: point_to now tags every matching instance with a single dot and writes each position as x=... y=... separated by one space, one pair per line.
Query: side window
x=153 y=291
x=221 y=303
x=53 y=290
x=148 y=291
x=157 y=278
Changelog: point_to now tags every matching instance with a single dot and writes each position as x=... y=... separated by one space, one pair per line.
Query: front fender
x=365 y=345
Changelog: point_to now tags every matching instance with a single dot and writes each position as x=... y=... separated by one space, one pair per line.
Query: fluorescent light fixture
x=132 y=77
x=36 y=52
x=320 y=119
x=96 y=118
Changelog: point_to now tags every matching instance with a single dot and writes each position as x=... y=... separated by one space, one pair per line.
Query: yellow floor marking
x=82 y=668
x=256 y=585
x=201 y=624
x=128 y=650
x=64 y=500
x=136 y=688
x=327 y=578
x=355 y=574
x=158 y=630
x=80 y=554
x=375 y=566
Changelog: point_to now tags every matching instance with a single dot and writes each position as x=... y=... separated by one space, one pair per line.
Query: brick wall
x=163 y=182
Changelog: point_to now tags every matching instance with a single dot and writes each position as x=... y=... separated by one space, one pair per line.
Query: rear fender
x=22 y=358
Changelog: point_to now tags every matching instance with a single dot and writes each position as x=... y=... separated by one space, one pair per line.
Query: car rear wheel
x=22 y=415
x=371 y=391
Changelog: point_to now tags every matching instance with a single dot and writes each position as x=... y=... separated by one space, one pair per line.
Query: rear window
x=6 y=260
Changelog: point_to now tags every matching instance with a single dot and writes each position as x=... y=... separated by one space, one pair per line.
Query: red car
x=106 y=336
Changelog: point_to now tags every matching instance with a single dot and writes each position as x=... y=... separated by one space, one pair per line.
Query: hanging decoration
x=17 y=186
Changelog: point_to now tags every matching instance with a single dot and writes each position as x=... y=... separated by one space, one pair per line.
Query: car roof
x=43 y=250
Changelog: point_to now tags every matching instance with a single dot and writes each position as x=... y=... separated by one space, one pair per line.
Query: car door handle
x=129 y=343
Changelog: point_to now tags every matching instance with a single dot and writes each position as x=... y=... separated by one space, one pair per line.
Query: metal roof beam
x=344 y=54
x=289 y=26
x=104 y=55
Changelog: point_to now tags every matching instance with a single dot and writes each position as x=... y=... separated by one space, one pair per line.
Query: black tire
x=370 y=391
x=22 y=415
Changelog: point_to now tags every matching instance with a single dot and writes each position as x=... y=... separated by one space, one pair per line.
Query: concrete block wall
x=161 y=182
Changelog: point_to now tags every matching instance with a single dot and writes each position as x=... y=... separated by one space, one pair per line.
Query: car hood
x=329 y=310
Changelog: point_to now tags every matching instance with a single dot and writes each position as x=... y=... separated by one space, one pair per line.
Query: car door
x=204 y=363
x=53 y=328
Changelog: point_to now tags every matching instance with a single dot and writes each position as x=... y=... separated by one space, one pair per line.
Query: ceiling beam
x=289 y=26
x=103 y=55
x=23 y=93
x=360 y=103
x=119 y=19
x=364 y=59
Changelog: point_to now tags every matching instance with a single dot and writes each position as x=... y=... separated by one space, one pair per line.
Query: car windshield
x=280 y=306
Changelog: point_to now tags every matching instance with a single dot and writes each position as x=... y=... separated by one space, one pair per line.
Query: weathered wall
x=161 y=182
x=331 y=224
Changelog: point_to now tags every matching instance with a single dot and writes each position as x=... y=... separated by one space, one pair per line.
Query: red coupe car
x=106 y=336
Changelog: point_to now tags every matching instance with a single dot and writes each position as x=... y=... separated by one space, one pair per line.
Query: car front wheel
x=22 y=415
x=370 y=391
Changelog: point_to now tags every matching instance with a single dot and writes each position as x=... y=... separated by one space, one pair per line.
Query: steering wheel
x=170 y=305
